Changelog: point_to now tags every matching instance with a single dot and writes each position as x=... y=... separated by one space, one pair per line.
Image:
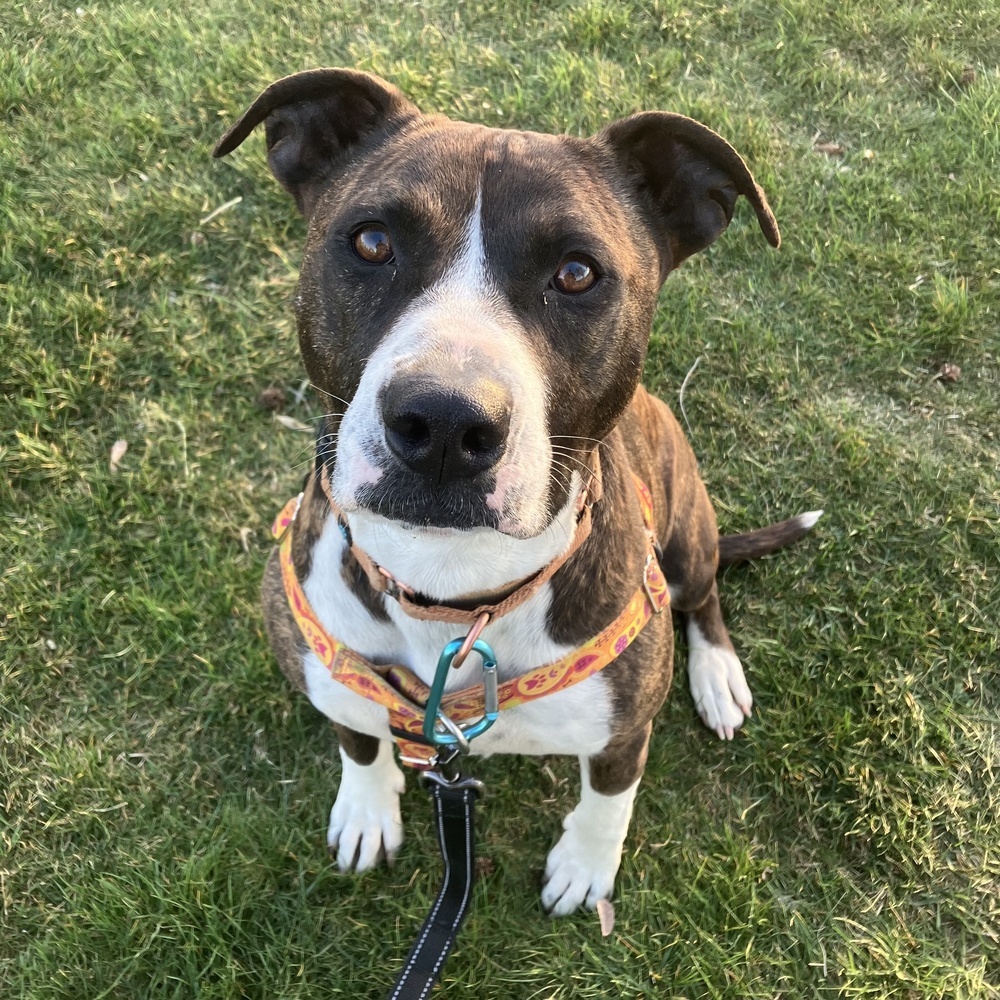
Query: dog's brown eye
x=574 y=276
x=372 y=243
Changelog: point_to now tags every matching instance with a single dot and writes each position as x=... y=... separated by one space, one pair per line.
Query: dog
x=474 y=308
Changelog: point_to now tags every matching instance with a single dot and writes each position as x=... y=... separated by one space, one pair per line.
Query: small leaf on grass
x=245 y=534
x=948 y=372
x=118 y=450
x=232 y=203
x=828 y=148
x=271 y=398
x=292 y=424
x=606 y=914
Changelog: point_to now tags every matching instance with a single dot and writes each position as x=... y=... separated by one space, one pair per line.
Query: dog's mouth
x=412 y=502
x=502 y=500
x=446 y=541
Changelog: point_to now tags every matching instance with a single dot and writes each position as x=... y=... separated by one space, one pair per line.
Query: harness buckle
x=650 y=596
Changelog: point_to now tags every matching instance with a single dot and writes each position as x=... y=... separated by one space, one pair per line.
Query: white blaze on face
x=458 y=330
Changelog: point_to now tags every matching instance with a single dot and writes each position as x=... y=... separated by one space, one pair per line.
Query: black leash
x=454 y=816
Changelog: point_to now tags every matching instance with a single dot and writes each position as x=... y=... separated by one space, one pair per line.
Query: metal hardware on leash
x=457 y=783
x=444 y=764
x=438 y=727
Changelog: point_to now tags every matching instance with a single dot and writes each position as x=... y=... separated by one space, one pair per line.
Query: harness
x=433 y=728
x=407 y=698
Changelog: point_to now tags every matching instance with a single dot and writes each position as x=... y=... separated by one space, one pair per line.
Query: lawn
x=164 y=795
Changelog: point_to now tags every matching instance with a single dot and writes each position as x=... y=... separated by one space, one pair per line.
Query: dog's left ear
x=690 y=178
x=312 y=122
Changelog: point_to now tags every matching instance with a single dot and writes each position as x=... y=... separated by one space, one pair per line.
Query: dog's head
x=477 y=302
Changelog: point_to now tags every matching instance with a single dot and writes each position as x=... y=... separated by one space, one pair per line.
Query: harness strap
x=400 y=691
x=454 y=815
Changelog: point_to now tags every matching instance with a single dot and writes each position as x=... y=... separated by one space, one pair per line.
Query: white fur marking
x=719 y=689
x=448 y=564
x=365 y=820
x=581 y=868
x=469 y=271
x=809 y=518
x=572 y=721
x=460 y=327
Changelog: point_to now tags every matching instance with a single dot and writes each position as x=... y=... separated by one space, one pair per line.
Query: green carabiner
x=433 y=713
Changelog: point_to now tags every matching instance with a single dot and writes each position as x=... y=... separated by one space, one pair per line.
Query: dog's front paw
x=719 y=689
x=580 y=869
x=365 y=823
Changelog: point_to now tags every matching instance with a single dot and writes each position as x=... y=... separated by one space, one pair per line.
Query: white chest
x=573 y=721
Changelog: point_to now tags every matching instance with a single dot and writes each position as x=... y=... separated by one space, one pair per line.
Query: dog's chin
x=441 y=512
x=435 y=512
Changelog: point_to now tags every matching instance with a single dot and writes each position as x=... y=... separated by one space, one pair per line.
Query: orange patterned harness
x=400 y=691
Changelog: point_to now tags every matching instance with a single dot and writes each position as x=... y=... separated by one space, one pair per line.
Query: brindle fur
x=286 y=640
x=656 y=188
x=588 y=592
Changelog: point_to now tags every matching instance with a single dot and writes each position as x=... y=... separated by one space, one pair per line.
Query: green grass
x=164 y=795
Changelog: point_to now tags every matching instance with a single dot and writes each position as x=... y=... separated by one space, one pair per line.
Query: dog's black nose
x=444 y=432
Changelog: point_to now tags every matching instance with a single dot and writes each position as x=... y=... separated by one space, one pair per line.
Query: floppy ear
x=690 y=178
x=311 y=121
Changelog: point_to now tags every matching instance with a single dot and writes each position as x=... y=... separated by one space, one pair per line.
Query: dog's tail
x=754 y=544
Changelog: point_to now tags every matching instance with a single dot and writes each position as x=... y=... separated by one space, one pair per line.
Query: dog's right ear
x=311 y=121
x=690 y=179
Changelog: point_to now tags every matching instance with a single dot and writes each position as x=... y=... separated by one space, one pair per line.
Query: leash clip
x=438 y=728
x=444 y=771
x=455 y=781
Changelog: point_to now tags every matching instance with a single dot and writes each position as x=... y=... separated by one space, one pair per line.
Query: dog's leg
x=690 y=560
x=365 y=823
x=581 y=868
x=720 y=691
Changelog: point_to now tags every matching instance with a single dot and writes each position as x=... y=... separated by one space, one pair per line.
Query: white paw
x=719 y=689
x=578 y=873
x=581 y=868
x=365 y=824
